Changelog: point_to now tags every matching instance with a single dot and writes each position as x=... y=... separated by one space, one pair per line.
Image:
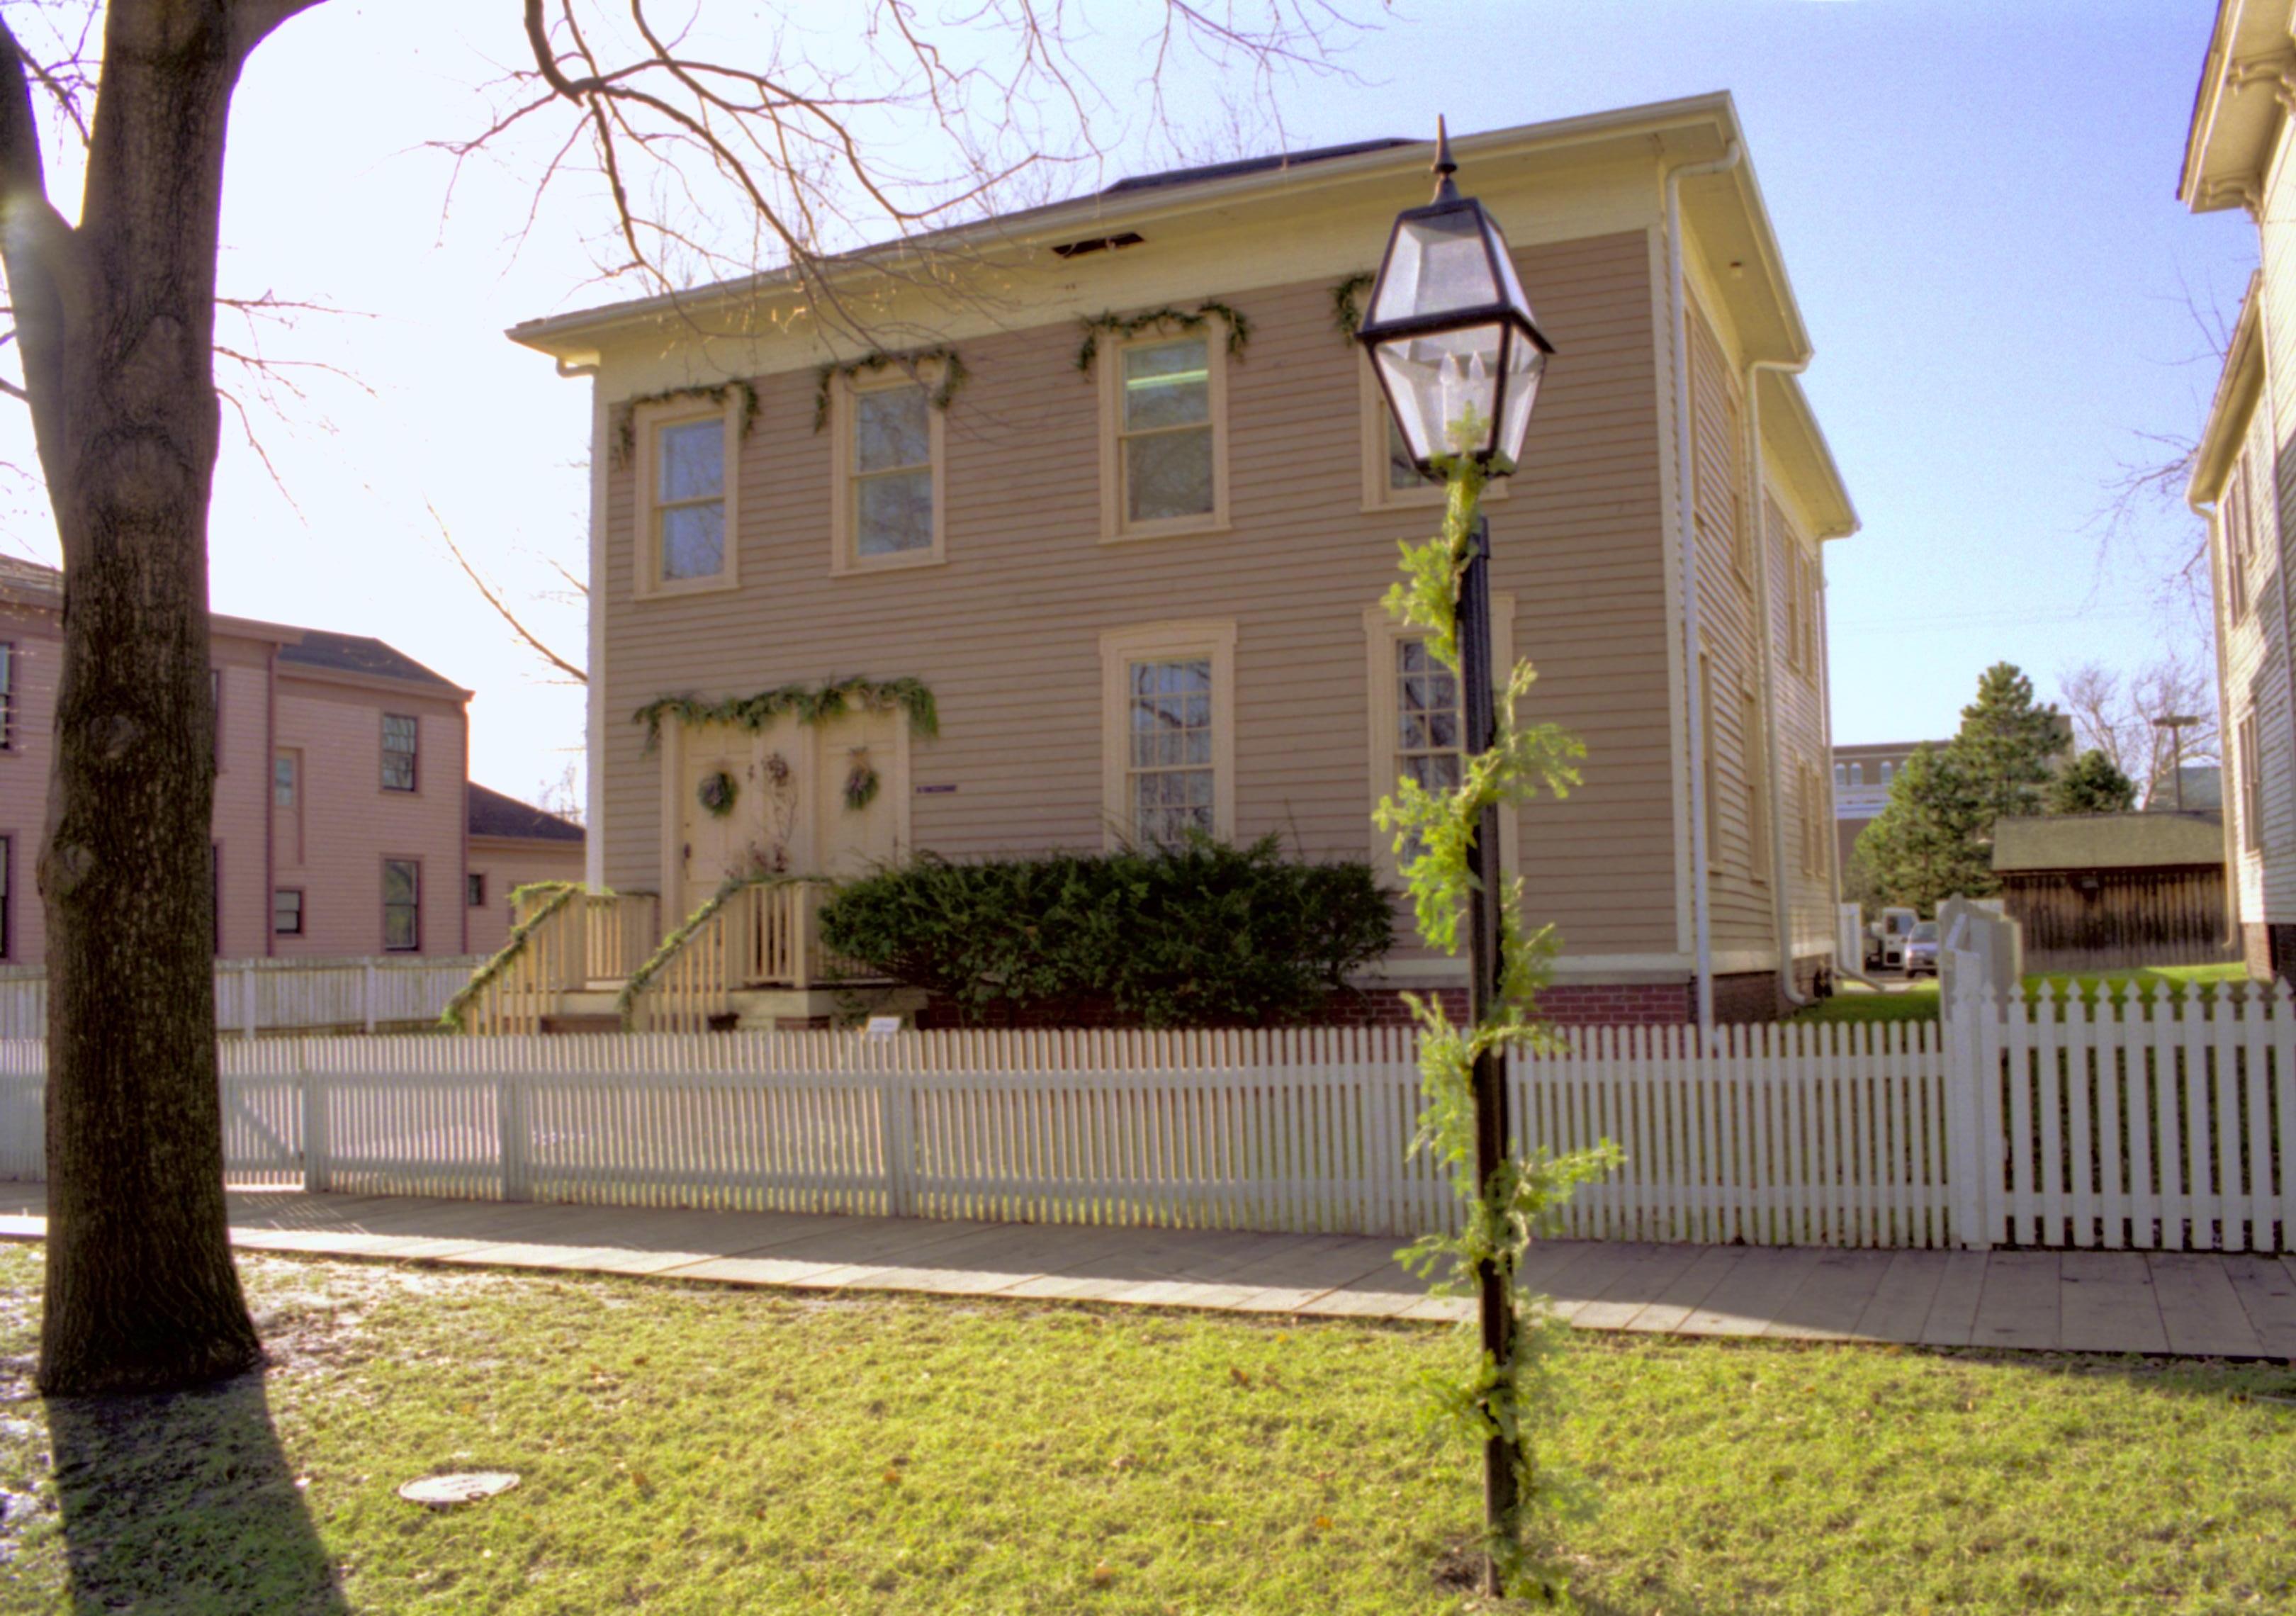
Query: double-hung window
x=1427 y=720
x=889 y=504
x=287 y=912
x=1169 y=736
x=1166 y=459
x=2251 y=756
x=687 y=524
x=1418 y=722
x=400 y=733
x=402 y=906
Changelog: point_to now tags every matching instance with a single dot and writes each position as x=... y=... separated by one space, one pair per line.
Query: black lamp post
x=1460 y=359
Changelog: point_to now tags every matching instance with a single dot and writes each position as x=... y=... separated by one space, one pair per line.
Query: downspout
x=1686 y=499
x=593 y=717
x=2205 y=511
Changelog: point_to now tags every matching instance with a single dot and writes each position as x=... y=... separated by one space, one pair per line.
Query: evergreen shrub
x=1198 y=933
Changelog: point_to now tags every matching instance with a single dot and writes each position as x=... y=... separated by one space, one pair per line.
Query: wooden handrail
x=546 y=956
x=620 y=929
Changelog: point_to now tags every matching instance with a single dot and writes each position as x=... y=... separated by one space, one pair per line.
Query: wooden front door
x=860 y=787
x=751 y=833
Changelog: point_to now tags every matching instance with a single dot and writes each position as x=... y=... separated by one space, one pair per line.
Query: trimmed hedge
x=1198 y=934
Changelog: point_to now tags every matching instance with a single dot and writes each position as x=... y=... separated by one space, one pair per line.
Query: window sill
x=1136 y=535
x=689 y=585
x=1427 y=499
x=899 y=561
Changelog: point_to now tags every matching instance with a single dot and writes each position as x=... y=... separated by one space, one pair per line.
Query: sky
x=1976 y=201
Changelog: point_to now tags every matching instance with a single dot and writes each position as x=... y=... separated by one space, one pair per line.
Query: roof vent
x=1101 y=243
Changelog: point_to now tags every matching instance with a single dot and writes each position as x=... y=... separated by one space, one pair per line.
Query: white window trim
x=844 y=552
x=1380 y=633
x=646 y=425
x=1119 y=648
x=1377 y=496
x=1109 y=368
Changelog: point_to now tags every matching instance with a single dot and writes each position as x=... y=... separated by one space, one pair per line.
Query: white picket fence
x=2041 y=1126
x=257 y=996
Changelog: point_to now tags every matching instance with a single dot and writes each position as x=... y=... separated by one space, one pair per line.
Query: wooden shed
x=2113 y=891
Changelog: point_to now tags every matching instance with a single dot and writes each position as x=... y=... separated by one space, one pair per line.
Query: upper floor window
x=1840 y=775
x=399 y=737
x=889 y=504
x=7 y=696
x=686 y=518
x=1164 y=450
x=283 y=780
x=475 y=890
x=1888 y=772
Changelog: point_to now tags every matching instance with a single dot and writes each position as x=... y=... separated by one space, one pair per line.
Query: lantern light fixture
x=1451 y=335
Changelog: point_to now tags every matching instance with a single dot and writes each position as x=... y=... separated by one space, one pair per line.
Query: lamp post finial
x=1445 y=167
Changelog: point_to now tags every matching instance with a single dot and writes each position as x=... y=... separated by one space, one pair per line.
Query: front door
x=737 y=797
x=859 y=790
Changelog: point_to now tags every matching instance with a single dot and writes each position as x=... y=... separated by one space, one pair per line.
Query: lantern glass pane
x=1511 y=286
x=1525 y=367
x=1444 y=386
x=1433 y=266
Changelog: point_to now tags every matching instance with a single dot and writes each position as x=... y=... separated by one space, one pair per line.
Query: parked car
x=1885 y=938
x=1922 y=949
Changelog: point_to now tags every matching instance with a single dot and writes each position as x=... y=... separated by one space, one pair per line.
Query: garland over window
x=806 y=703
x=1345 y=314
x=951 y=376
x=626 y=413
x=1123 y=327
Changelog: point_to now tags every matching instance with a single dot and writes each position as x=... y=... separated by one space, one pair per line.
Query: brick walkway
x=2081 y=1301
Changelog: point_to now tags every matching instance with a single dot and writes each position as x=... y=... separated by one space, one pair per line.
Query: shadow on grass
x=184 y=1501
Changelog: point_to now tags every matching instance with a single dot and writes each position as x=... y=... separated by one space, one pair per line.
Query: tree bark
x=141 y=1291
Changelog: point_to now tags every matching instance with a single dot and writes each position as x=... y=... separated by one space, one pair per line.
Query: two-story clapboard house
x=1123 y=498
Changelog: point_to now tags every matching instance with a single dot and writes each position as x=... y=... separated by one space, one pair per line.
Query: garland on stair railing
x=1124 y=326
x=626 y=1003
x=809 y=704
x=626 y=413
x=951 y=376
x=562 y=893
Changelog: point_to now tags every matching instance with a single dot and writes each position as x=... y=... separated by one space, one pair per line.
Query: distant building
x=2113 y=891
x=2202 y=788
x=341 y=823
x=1862 y=778
x=513 y=844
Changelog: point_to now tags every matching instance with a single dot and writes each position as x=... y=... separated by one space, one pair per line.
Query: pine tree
x=2091 y=784
x=1934 y=838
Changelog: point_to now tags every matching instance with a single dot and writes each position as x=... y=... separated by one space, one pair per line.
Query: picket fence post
x=247 y=999
x=895 y=1098
x=510 y=1131
x=366 y=997
x=1971 y=1056
x=317 y=1179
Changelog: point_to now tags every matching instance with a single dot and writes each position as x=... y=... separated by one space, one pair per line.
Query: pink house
x=342 y=815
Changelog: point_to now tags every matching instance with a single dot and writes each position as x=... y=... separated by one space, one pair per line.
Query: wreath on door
x=716 y=793
x=860 y=780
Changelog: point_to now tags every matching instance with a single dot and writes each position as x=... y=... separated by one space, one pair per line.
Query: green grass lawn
x=1917 y=1001
x=700 y=1450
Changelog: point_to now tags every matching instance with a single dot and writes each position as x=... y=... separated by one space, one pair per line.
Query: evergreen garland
x=809 y=704
x=951 y=376
x=1124 y=326
x=626 y=413
x=1434 y=831
x=559 y=894
x=1345 y=314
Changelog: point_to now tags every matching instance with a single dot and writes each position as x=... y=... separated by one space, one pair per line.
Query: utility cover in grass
x=468 y=1487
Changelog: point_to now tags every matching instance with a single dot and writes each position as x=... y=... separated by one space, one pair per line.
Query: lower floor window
x=402 y=911
x=287 y=912
x=1170 y=772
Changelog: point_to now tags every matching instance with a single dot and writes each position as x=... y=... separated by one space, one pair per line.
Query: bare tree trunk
x=117 y=319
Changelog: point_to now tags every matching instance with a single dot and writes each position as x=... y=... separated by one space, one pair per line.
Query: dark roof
x=358 y=653
x=1250 y=164
x=492 y=813
x=16 y=572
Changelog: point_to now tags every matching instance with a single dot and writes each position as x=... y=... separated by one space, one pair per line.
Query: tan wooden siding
x=2255 y=647
x=1006 y=632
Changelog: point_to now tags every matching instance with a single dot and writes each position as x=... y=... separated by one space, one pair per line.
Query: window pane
x=1402 y=470
x=287 y=912
x=399 y=879
x=1169 y=384
x=892 y=429
x=896 y=513
x=693 y=541
x=1168 y=474
x=692 y=460
x=283 y=781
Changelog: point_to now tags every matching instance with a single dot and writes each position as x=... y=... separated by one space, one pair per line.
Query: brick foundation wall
x=2270 y=949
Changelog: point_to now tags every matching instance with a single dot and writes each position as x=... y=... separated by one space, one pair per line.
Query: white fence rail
x=2156 y=1125
x=254 y=995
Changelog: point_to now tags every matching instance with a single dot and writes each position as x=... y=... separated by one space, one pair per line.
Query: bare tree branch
x=486 y=591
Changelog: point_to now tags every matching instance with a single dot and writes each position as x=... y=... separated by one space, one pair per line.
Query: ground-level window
x=402 y=905
x=287 y=912
x=1427 y=720
x=474 y=893
x=1171 y=770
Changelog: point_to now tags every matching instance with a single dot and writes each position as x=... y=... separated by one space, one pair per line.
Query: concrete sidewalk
x=2079 y=1301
